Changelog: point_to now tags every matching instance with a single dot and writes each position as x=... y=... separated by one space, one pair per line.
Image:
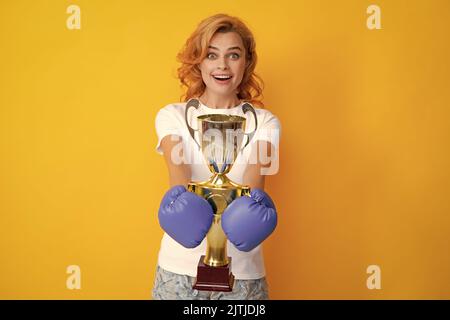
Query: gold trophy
x=221 y=138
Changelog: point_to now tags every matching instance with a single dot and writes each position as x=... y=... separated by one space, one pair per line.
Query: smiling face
x=223 y=68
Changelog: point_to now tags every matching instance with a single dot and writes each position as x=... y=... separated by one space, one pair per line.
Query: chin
x=224 y=93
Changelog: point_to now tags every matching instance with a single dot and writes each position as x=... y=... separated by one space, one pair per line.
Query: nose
x=222 y=64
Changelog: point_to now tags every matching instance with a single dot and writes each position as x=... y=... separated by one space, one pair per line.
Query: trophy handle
x=245 y=108
x=195 y=104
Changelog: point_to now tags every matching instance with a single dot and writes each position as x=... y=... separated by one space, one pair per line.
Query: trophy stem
x=216 y=249
x=220 y=180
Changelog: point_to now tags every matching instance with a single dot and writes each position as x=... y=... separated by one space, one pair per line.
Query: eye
x=234 y=56
x=211 y=55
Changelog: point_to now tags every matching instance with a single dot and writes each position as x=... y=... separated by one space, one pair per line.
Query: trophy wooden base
x=214 y=278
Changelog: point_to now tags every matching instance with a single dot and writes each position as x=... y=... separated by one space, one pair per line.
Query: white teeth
x=222 y=77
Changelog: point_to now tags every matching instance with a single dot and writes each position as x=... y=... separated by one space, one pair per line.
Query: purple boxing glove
x=185 y=216
x=247 y=221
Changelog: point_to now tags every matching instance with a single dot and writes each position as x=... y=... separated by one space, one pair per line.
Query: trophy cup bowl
x=221 y=137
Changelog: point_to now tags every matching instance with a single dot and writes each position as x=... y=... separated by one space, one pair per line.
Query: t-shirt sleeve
x=166 y=124
x=269 y=130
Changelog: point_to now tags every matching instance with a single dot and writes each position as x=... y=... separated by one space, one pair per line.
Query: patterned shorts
x=173 y=286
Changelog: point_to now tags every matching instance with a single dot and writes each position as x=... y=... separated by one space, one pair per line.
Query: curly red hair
x=195 y=50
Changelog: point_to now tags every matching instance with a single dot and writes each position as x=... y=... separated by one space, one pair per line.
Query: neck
x=219 y=102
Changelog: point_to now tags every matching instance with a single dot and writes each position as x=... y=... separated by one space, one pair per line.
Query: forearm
x=180 y=175
x=253 y=177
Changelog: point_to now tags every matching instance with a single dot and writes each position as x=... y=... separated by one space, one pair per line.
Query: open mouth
x=222 y=78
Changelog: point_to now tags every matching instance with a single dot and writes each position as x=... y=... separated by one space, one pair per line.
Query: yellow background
x=364 y=174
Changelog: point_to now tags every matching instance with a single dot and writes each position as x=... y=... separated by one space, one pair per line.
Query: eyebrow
x=231 y=48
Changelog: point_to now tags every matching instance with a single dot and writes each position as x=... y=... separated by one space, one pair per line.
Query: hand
x=248 y=221
x=185 y=216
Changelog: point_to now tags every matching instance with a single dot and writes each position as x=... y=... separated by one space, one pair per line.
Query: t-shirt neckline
x=204 y=106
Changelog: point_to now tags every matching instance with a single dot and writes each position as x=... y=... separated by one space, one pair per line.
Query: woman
x=218 y=63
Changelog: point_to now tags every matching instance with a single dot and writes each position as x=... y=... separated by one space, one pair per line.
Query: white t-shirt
x=170 y=120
